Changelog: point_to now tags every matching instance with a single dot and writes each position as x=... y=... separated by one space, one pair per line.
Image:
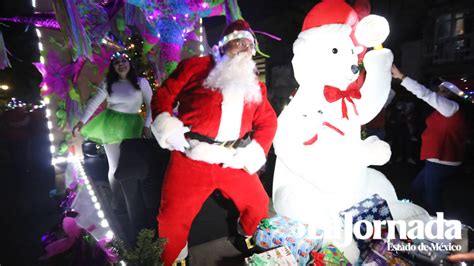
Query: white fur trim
x=328 y=30
x=184 y=253
x=209 y=153
x=232 y=107
x=237 y=34
x=163 y=126
x=254 y=157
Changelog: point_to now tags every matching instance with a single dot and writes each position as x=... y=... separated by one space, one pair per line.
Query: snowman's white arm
x=377 y=84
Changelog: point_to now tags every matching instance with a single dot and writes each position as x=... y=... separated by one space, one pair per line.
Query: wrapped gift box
x=280 y=256
x=280 y=230
x=372 y=257
x=328 y=255
x=370 y=209
x=379 y=254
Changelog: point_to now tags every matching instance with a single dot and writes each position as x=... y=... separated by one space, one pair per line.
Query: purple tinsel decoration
x=56 y=76
x=170 y=52
x=40 y=20
x=69 y=18
x=112 y=6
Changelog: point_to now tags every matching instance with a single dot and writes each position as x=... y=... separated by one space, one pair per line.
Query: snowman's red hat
x=330 y=12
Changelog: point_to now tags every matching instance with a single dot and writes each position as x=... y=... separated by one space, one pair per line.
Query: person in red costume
x=442 y=142
x=219 y=138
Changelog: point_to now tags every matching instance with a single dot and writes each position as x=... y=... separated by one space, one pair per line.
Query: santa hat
x=337 y=12
x=330 y=12
x=236 y=30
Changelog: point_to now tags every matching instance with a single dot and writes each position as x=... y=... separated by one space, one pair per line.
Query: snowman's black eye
x=334 y=50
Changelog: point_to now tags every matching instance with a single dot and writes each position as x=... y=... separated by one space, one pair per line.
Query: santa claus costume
x=221 y=102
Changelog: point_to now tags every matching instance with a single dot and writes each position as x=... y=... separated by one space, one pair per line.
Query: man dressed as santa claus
x=219 y=137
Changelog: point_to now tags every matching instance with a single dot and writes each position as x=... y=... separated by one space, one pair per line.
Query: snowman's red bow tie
x=333 y=94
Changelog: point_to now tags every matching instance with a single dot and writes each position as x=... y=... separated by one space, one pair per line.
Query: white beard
x=235 y=75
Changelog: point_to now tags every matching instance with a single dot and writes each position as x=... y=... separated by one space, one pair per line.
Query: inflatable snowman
x=322 y=163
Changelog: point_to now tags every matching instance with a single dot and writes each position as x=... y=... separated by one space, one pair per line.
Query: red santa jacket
x=444 y=137
x=200 y=107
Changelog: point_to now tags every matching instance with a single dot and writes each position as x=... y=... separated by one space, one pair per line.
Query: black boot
x=246 y=245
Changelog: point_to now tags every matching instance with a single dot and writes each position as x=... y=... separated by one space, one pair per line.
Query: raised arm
x=442 y=104
x=377 y=84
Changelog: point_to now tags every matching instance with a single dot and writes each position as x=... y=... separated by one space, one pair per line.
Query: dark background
x=26 y=209
x=282 y=18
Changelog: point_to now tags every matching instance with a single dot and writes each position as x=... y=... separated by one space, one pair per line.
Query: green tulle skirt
x=112 y=127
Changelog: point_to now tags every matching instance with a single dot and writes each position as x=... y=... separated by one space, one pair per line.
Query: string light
x=201 y=39
x=71 y=159
x=93 y=198
x=45 y=103
x=104 y=223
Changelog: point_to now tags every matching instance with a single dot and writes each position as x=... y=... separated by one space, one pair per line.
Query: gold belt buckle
x=248 y=242
x=228 y=144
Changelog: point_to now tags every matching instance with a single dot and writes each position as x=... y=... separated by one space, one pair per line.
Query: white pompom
x=372 y=31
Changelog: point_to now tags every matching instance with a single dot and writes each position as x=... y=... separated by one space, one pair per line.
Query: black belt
x=228 y=144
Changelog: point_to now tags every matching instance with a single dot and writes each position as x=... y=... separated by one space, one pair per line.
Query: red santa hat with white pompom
x=337 y=12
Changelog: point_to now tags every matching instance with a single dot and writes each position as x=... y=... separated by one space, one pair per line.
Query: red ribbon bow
x=318 y=258
x=333 y=94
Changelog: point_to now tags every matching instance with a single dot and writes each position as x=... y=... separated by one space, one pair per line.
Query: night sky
x=22 y=42
x=279 y=17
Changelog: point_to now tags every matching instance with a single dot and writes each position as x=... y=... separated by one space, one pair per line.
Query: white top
x=443 y=105
x=124 y=98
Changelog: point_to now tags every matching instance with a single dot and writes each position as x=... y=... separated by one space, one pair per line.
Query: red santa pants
x=187 y=185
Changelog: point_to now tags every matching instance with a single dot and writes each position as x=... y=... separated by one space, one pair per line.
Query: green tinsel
x=170 y=67
x=147 y=251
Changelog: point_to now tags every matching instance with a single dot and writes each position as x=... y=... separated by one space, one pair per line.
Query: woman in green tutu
x=125 y=93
